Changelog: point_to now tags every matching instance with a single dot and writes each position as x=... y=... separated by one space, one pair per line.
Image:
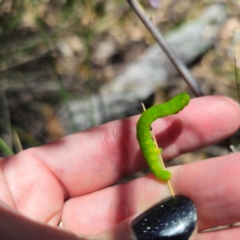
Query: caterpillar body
x=150 y=151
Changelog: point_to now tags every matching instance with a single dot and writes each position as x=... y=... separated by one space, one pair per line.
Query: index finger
x=96 y=158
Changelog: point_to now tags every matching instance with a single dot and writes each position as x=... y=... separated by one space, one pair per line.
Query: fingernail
x=174 y=218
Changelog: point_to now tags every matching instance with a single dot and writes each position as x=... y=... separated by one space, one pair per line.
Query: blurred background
x=59 y=61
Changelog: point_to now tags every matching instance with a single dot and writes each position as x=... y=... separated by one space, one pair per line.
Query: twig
x=236 y=78
x=183 y=71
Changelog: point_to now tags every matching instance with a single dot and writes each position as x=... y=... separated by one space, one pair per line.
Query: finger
x=203 y=122
x=157 y=226
x=229 y=233
x=91 y=160
x=112 y=205
x=212 y=185
x=123 y=230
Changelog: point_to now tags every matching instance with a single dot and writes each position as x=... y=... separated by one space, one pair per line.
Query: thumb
x=172 y=218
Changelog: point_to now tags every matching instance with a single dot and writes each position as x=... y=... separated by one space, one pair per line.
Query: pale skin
x=70 y=180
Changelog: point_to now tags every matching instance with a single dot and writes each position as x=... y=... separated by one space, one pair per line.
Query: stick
x=183 y=71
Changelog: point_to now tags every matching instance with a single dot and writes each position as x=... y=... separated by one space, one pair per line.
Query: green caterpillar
x=150 y=152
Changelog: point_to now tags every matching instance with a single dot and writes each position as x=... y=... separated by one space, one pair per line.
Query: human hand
x=70 y=180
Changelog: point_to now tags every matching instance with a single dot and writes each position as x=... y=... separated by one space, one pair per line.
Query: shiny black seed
x=173 y=218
